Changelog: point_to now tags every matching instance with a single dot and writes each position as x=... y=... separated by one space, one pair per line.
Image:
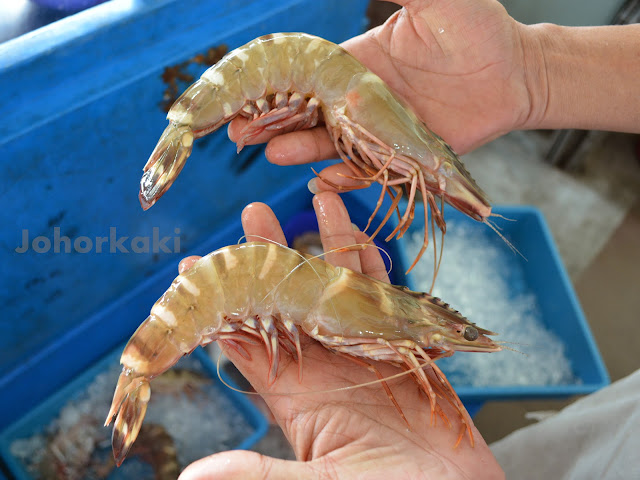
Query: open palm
x=346 y=434
x=459 y=64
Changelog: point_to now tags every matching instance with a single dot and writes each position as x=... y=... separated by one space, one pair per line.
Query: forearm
x=583 y=77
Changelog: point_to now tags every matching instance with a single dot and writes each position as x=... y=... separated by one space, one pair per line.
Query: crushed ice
x=200 y=422
x=483 y=279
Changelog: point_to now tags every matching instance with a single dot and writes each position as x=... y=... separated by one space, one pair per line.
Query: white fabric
x=597 y=437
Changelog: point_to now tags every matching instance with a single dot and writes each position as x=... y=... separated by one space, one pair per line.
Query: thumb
x=248 y=466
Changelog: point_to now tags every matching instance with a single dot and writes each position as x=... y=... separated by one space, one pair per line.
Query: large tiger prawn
x=269 y=293
x=287 y=81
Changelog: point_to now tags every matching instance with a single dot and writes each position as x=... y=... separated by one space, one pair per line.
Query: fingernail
x=355 y=227
x=312 y=186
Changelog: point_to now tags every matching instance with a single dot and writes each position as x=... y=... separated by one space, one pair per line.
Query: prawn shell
x=270 y=292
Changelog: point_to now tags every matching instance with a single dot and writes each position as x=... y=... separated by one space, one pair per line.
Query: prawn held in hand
x=265 y=293
x=290 y=81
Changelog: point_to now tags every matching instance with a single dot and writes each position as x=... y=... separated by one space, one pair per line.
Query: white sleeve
x=597 y=437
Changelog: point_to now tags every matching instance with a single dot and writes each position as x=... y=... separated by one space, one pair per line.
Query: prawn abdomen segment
x=179 y=321
x=275 y=63
x=264 y=279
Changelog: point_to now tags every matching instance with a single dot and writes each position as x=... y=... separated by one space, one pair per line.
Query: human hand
x=346 y=434
x=458 y=63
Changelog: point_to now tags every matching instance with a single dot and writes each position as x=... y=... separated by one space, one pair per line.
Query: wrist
x=535 y=40
x=582 y=77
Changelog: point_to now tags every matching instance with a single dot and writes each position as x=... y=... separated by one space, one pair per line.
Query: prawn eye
x=470 y=333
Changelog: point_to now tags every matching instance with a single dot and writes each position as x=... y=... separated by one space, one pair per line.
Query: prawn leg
x=289 y=81
x=266 y=293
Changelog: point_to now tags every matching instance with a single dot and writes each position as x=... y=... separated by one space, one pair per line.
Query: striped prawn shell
x=289 y=81
x=270 y=292
x=278 y=62
x=235 y=284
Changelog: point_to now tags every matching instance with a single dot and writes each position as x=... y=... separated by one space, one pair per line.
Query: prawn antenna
x=496 y=229
x=306 y=260
x=437 y=259
x=246 y=237
x=332 y=390
x=502 y=217
x=503 y=344
x=360 y=246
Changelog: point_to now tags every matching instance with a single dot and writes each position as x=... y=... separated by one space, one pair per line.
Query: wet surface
x=21 y=16
x=594 y=215
x=188 y=418
x=583 y=208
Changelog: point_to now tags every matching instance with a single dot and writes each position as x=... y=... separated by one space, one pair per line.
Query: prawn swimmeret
x=288 y=81
x=273 y=294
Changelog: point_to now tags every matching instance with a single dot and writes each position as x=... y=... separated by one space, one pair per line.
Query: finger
x=336 y=230
x=249 y=466
x=371 y=260
x=186 y=263
x=337 y=180
x=300 y=147
x=258 y=220
x=287 y=147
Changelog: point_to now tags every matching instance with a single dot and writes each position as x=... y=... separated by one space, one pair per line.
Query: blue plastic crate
x=545 y=276
x=37 y=419
x=82 y=98
x=31 y=401
x=82 y=103
x=68 y=5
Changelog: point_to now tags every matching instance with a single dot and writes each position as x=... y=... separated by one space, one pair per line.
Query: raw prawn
x=76 y=453
x=273 y=294
x=286 y=81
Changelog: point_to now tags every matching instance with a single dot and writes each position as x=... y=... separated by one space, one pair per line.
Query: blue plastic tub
x=83 y=98
x=23 y=398
x=83 y=103
x=68 y=5
x=545 y=276
x=38 y=418
x=544 y=273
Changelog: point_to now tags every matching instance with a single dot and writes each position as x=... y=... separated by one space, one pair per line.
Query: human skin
x=354 y=434
x=473 y=73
